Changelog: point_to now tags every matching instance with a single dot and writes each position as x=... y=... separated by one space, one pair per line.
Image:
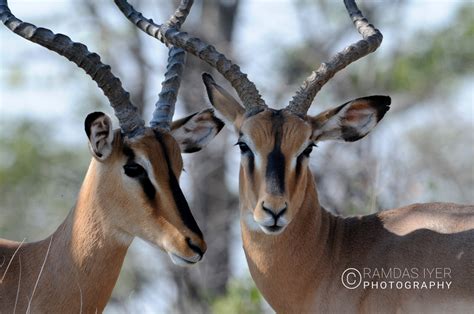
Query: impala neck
x=299 y=259
x=86 y=252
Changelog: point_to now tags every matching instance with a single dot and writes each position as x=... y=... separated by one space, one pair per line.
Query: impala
x=131 y=189
x=303 y=258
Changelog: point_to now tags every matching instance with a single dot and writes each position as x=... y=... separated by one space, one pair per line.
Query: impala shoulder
x=4 y=243
x=438 y=217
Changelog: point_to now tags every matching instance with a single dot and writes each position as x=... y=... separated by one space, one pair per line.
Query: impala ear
x=98 y=128
x=350 y=121
x=222 y=100
x=196 y=131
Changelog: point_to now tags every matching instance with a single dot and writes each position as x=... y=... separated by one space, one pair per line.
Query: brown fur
x=83 y=257
x=298 y=269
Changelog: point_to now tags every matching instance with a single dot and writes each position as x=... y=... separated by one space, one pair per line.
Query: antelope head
x=276 y=144
x=134 y=173
x=138 y=177
x=275 y=149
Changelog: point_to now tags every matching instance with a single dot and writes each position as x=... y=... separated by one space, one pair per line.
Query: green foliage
x=242 y=297
x=297 y=61
x=38 y=178
x=425 y=62
x=436 y=58
x=447 y=167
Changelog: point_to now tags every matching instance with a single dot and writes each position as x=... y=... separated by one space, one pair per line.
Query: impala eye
x=308 y=150
x=243 y=147
x=133 y=170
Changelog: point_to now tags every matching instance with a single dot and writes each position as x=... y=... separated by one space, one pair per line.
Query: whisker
x=18 y=288
x=11 y=260
x=39 y=275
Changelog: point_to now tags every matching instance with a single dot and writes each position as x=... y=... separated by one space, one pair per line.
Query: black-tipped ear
x=227 y=105
x=98 y=127
x=381 y=104
x=196 y=131
x=350 y=121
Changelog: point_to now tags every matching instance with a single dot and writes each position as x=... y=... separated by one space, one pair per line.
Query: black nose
x=194 y=247
x=277 y=215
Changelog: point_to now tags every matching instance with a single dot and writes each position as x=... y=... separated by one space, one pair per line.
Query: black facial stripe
x=275 y=173
x=180 y=200
x=147 y=187
x=251 y=165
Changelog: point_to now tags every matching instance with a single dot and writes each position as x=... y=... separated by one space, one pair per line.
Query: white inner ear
x=360 y=120
x=196 y=133
x=363 y=121
x=331 y=130
x=101 y=138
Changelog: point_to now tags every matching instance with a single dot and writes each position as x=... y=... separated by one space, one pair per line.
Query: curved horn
x=164 y=107
x=169 y=35
x=181 y=13
x=372 y=38
x=130 y=122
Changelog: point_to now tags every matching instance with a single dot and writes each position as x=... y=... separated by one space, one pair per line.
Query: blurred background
x=421 y=152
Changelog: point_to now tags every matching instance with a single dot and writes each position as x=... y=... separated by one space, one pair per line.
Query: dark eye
x=308 y=150
x=243 y=147
x=133 y=170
